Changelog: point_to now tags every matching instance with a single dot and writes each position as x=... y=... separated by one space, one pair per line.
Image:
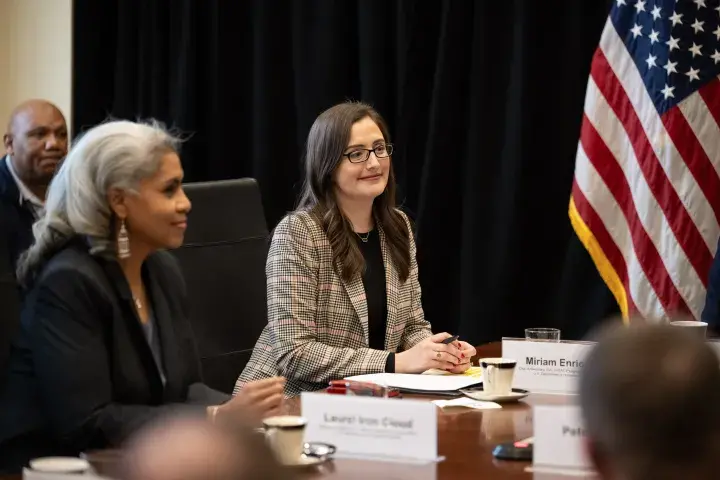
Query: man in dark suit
x=711 y=311
x=36 y=140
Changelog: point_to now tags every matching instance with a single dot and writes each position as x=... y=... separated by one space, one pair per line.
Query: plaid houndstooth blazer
x=317 y=327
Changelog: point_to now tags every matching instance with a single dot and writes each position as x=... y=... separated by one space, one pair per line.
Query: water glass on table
x=542 y=334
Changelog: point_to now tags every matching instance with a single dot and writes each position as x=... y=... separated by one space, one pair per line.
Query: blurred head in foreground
x=194 y=449
x=650 y=396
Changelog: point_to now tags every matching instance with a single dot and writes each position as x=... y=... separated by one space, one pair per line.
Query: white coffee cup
x=498 y=375
x=285 y=435
x=63 y=465
x=691 y=326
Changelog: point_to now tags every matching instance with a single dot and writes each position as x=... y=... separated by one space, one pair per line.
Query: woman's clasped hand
x=430 y=353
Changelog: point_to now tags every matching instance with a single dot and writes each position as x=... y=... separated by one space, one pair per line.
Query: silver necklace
x=365 y=238
x=138 y=303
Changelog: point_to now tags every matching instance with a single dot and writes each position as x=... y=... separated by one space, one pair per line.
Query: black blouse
x=375 y=292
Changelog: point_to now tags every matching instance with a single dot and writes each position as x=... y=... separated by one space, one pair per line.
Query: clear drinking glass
x=542 y=334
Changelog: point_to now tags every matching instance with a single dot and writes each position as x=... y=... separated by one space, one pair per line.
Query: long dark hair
x=326 y=143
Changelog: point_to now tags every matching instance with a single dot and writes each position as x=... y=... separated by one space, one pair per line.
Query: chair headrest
x=224 y=211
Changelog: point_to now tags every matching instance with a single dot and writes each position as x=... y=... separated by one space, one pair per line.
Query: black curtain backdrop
x=484 y=101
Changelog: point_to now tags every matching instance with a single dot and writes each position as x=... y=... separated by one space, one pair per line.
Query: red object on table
x=351 y=387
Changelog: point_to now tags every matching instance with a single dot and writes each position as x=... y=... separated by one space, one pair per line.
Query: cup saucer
x=478 y=394
x=314 y=453
x=305 y=461
x=317 y=449
x=60 y=465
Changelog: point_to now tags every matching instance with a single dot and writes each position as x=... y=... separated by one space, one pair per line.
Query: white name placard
x=559 y=437
x=546 y=367
x=368 y=427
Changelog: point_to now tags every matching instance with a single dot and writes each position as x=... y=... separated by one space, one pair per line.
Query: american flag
x=646 y=192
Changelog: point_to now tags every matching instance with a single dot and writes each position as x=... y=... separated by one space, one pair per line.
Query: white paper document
x=428 y=383
x=475 y=372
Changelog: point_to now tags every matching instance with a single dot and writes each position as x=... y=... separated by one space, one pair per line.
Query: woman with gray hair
x=105 y=345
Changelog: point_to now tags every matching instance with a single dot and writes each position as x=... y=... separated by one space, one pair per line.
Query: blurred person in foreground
x=105 y=345
x=649 y=396
x=342 y=278
x=188 y=449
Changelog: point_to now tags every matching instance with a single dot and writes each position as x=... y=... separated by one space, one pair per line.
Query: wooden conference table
x=466 y=438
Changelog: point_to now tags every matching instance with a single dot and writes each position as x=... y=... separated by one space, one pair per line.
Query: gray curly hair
x=112 y=155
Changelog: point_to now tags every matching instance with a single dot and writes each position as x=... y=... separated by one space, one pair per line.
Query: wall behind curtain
x=35 y=54
x=484 y=101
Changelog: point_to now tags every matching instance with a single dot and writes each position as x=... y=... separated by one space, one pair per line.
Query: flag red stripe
x=682 y=226
x=697 y=161
x=612 y=174
x=604 y=239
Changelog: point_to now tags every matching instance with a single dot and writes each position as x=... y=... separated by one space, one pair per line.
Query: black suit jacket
x=16 y=220
x=711 y=311
x=82 y=375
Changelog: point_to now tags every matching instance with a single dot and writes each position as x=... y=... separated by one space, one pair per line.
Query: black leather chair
x=223 y=260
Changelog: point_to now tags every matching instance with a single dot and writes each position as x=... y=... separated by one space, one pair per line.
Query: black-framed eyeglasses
x=362 y=154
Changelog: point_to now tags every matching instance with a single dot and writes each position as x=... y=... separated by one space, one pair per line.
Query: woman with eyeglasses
x=342 y=281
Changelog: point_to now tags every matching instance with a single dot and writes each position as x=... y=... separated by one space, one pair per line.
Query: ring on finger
x=438 y=354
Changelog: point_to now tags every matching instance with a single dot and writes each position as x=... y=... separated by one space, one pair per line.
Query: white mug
x=285 y=435
x=60 y=465
x=691 y=326
x=498 y=375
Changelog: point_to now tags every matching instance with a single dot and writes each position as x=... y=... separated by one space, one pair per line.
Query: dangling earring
x=123 y=241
